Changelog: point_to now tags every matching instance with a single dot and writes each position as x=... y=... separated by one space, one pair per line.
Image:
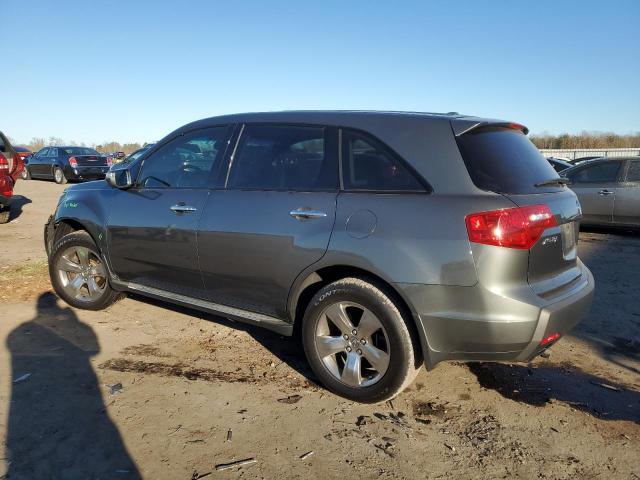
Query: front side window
x=53 y=152
x=633 y=174
x=369 y=165
x=602 y=172
x=284 y=158
x=186 y=161
x=42 y=153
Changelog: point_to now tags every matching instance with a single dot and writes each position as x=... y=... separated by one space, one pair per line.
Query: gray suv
x=386 y=240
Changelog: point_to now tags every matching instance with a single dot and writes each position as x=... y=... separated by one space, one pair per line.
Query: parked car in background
x=23 y=152
x=62 y=163
x=609 y=191
x=10 y=167
x=558 y=165
x=391 y=240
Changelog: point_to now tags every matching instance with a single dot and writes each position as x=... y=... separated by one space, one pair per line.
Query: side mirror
x=119 y=178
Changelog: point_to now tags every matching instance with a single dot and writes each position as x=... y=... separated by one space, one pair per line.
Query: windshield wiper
x=552 y=181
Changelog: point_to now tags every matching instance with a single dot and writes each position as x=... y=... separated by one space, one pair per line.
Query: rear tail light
x=549 y=339
x=73 y=162
x=4 y=164
x=519 y=227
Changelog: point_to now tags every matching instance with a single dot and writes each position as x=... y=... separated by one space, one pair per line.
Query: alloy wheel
x=82 y=274
x=352 y=344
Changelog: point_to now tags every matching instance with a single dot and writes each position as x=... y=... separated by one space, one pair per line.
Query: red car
x=23 y=152
x=11 y=165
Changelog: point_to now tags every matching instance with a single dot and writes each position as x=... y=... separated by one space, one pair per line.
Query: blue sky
x=135 y=70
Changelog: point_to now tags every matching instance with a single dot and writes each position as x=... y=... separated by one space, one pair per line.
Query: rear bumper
x=86 y=173
x=477 y=324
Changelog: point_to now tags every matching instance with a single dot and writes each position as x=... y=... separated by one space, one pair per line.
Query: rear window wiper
x=552 y=181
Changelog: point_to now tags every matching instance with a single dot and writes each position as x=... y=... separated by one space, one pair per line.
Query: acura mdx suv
x=386 y=240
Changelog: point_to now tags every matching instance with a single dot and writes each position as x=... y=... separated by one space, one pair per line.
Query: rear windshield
x=503 y=160
x=78 y=151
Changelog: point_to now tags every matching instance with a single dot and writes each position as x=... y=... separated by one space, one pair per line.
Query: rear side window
x=601 y=172
x=504 y=160
x=284 y=158
x=633 y=174
x=367 y=164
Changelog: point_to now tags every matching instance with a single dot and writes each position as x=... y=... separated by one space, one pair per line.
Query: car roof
x=21 y=149
x=345 y=118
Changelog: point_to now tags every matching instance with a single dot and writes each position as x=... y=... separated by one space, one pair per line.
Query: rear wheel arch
x=314 y=281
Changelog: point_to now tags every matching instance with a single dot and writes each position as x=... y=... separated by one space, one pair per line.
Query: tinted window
x=601 y=172
x=369 y=165
x=633 y=174
x=505 y=161
x=43 y=153
x=78 y=151
x=53 y=152
x=186 y=161
x=283 y=157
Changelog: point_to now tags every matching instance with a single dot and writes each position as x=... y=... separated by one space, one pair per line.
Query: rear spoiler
x=462 y=126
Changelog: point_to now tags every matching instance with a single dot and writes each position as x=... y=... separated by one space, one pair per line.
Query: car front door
x=273 y=219
x=152 y=226
x=595 y=185
x=626 y=209
x=37 y=162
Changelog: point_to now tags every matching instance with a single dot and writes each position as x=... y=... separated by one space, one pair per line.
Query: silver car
x=387 y=240
x=608 y=190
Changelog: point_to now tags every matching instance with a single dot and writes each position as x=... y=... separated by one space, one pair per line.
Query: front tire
x=78 y=273
x=358 y=343
x=25 y=175
x=5 y=213
x=58 y=176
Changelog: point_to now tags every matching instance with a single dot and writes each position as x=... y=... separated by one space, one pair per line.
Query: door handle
x=182 y=208
x=303 y=214
x=605 y=192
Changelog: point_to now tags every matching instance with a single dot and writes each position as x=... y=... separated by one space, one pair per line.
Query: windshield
x=503 y=160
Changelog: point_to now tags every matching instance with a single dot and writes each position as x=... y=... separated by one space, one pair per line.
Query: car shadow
x=17 y=202
x=287 y=349
x=548 y=383
x=58 y=425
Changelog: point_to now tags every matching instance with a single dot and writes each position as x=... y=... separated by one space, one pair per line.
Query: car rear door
x=274 y=217
x=626 y=208
x=152 y=235
x=596 y=184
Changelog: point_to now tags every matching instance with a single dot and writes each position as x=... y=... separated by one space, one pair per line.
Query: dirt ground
x=146 y=390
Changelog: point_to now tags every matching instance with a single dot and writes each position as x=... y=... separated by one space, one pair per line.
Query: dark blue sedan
x=67 y=163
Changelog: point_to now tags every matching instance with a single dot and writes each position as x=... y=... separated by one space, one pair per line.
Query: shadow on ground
x=540 y=385
x=17 y=202
x=58 y=426
x=286 y=349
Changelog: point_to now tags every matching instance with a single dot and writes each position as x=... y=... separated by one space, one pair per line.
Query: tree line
x=587 y=140
x=37 y=143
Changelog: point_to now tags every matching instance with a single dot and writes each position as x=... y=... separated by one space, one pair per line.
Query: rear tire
x=5 y=213
x=358 y=343
x=78 y=273
x=58 y=176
